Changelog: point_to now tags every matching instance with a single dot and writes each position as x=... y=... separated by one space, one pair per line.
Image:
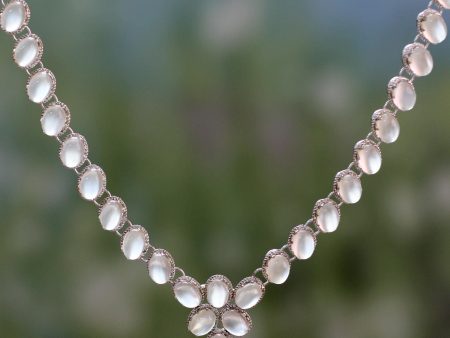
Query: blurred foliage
x=220 y=123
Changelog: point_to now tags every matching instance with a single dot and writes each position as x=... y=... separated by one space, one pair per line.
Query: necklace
x=219 y=309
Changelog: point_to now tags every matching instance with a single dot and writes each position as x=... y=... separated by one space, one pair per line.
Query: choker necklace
x=219 y=309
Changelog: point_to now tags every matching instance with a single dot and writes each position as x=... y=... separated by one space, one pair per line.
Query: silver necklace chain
x=218 y=309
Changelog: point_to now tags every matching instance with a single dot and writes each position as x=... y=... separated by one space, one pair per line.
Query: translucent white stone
x=218 y=291
x=235 y=323
x=41 y=86
x=302 y=242
x=111 y=214
x=327 y=215
x=418 y=59
x=402 y=93
x=276 y=267
x=28 y=51
x=92 y=182
x=161 y=267
x=187 y=292
x=445 y=3
x=248 y=293
x=73 y=151
x=219 y=335
x=134 y=242
x=54 y=120
x=432 y=26
x=202 y=322
x=348 y=187
x=368 y=157
x=386 y=126
x=15 y=15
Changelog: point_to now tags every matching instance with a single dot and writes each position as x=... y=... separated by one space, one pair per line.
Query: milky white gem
x=276 y=267
x=235 y=323
x=221 y=334
x=302 y=242
x=402 y=93
x=248 y=293
x=187 y=292
x=41 y=86
x=14 y=16
x=134 y=242
x=55 y=119
x=418 y=59
x=445 y=3
x=348 y=186
x=327 y=215
x=28 y=51
x=386 y=126
x=432 y=26
x=202 y=322
x=218 y=291
x=368 y=157
x=73 y=151
x=92 y=182
x=111 y=214
x=161 y=267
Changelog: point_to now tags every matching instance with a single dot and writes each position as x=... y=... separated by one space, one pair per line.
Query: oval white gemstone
x=302 y=242
x=161 y=267
x=54 y=120
x=202 y=322
x=134 y=242
x=402 y=93
x=248 y=295
x=235 y=323
x=28 y=51
x=327 y=216
x=73 y=151
x=217 y=293
x=14 y=16
x=276 y=267
x=41 y=86
x=92 y=183
x=111 y=214
x=418 y=59
x=188 y=293
x=432 y=26
x=348 y=187
x=445 y=3
x=368 y=157
x=386 y=126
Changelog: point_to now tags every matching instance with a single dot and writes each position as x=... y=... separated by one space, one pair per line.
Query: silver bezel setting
x=168 y=256
x=146 y=240
x=220 y=278
x=392 y=85
x=339 y=176
x=408 y=51
x=219 y=331
x=123 y=211
x=360 y=145
x=319 y=204
x=202 y=307
x=250 y=280
x=189 y=280
x=242 y=312
x=295 y=231
x=422 y=17
x=53 y=85
x=96 y=168
x=40 y=51
x=68 y=117
x=26 y=19
x=85 y=148
x=271 y=254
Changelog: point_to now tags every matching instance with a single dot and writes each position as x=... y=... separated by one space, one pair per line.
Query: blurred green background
x=220 y=123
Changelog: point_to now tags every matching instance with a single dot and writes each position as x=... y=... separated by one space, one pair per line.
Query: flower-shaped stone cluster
x=224 y=313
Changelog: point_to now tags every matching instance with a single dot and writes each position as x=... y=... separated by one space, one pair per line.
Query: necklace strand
x=219 y=310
